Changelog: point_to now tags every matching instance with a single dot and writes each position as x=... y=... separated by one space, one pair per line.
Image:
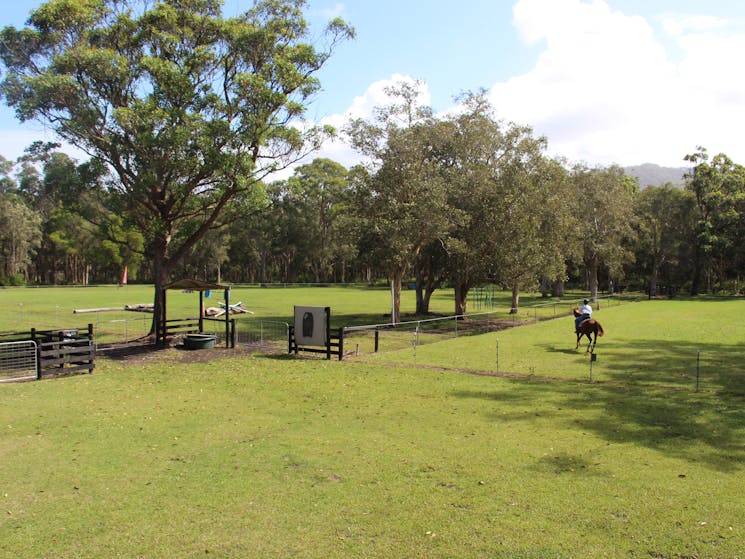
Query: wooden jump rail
x=334 y=345
x=181 y=326
x=65 y=352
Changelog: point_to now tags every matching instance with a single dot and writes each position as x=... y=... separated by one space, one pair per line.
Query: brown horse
x=590 y=328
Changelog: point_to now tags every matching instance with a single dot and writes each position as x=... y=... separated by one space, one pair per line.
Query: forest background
x=460 y=199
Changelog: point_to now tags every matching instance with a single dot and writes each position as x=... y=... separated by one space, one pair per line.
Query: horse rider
x=585 y=312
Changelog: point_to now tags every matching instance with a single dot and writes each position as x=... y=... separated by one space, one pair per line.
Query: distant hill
x=650 y=174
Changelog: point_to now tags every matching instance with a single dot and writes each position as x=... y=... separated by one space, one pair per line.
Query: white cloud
x=376 y=96
x=362 y=107
x=682 y=24
x=605 y=90
x=605 y=87
x=337 y=10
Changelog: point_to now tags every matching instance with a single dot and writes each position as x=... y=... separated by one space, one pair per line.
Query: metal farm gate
x=39 y=354
x=18 y=361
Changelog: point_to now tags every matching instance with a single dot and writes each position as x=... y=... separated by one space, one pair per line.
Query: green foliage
x=606 y=211
x=19 y=237
x=313 y=204
x=403 y=201
x=664 y=222
x=515 y=199
x=187 y=108
x=719 y=191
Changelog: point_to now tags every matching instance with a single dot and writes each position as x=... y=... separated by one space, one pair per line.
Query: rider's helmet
x=586 y=301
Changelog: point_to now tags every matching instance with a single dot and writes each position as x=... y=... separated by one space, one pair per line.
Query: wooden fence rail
x=59 y=352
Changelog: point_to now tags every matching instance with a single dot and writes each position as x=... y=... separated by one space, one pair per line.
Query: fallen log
x=142 y=307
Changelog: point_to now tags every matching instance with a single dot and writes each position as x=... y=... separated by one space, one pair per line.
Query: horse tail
x=600 y=329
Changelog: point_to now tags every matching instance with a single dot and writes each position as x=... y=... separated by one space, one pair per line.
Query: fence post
x=38 y=353
x=416 y=339
x=592 y=358
x=92 y=348
x=232 y=332
x=377 y=339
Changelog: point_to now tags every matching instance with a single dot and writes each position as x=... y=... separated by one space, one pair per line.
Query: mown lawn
x=22 y=308
x=668 y=343
x=272 y=456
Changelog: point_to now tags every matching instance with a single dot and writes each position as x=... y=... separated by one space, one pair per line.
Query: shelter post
x=227 y=317
x=201 y=311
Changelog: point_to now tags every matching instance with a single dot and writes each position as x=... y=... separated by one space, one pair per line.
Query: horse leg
x=579 y=337
x=592 y=341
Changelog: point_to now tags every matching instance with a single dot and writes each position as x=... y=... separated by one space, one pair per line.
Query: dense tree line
x=187 y=114
x=447 y=204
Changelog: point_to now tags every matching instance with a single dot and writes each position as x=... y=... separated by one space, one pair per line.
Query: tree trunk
x=696 y=280
x=161 y=274
x=423 y=297
x=262 y=272
x=653 y=279
x=461 y=295
x=396 y=281
x=594 y=279
x=425 y=286
x=515 y=299
x=545 y=284
x=421 y=306
x=557 y=288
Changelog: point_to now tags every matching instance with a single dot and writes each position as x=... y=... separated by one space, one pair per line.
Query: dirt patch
x=145 y=353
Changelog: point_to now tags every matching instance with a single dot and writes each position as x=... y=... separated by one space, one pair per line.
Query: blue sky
x=606 y=81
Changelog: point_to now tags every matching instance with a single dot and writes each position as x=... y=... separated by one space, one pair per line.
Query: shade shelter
x=200 y=287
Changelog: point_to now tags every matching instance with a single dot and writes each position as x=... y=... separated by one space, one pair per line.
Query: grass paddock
x=391 y=455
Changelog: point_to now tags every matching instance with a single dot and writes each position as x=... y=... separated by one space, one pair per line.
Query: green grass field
x=53 y=308
x=43 y=307
x=652 y=342
x=398 y=454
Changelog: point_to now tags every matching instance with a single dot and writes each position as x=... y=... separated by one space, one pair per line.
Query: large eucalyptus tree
x=189 y=109
x=516 y=200
x=606 y=210
x=718 y=187
x=403 y=198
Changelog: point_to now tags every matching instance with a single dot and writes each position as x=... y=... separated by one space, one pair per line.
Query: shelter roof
x=195 y=285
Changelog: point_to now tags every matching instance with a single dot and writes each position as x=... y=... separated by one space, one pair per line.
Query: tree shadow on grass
x=564 y=350
x=697 y=428
x=716 y=367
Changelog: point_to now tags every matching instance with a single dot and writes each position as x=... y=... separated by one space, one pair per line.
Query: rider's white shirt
x=585 y=309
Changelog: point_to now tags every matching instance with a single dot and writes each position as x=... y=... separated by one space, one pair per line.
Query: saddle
x=579 y=324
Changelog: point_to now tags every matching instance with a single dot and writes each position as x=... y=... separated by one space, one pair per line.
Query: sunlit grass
x=46 y=308
x=281 y=457
x=669 y=343
x=275 y=456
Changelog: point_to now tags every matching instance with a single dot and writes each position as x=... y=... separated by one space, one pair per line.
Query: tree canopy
x=188 y=109
x=185 y=114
